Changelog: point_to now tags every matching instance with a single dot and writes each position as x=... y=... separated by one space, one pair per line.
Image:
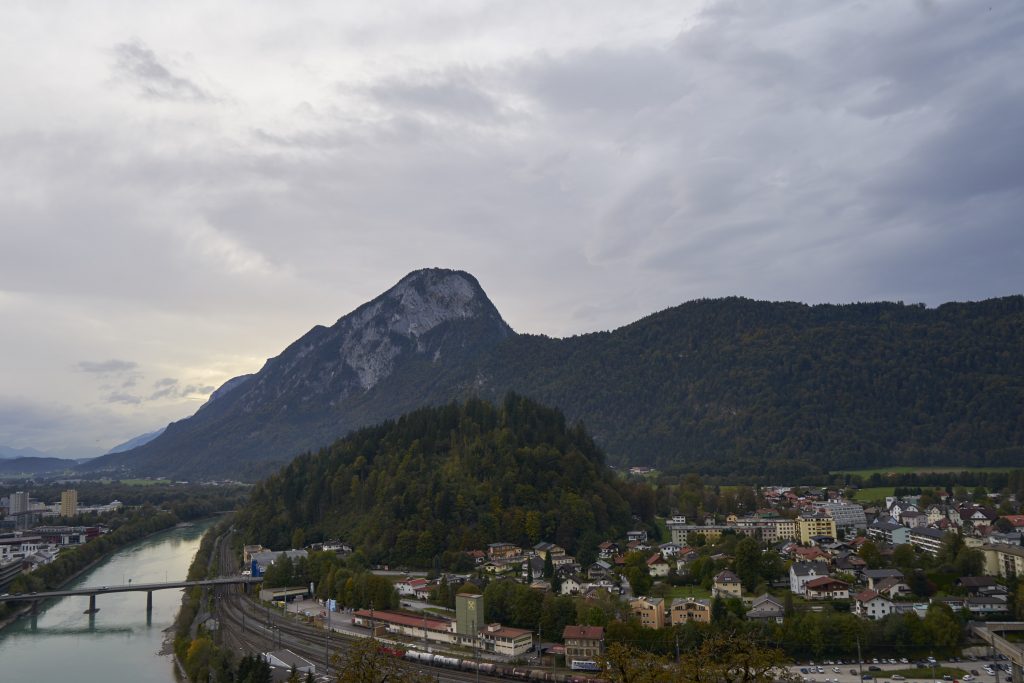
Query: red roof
x=866 y=595
x=583 y=632
x=656 y=558
x=823 y=581
x=404 y=619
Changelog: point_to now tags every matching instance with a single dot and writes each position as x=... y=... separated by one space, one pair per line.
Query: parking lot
x=849 y=671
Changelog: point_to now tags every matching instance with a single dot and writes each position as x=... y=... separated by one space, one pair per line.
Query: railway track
x=246 y=629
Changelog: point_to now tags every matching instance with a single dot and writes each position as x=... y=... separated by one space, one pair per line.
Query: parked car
x=967 y=677
x=897 y=677
x=874 y=668
x=803 y=670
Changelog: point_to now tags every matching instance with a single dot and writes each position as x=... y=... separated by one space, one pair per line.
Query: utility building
x=469 y=613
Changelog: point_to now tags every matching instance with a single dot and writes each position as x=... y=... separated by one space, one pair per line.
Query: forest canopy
x=449 y=479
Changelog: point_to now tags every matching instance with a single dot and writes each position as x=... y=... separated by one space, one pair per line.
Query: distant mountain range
x=8 y=453
x=136 y=442
x=726 y=386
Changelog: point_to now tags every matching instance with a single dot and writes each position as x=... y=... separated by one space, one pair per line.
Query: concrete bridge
x=989 y=632
x=148 y=588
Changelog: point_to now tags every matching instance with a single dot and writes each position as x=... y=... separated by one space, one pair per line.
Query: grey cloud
x=607 y=81
x=450 y=94
x=800 y=150
x=197 y=389
x=122 y=397
x=137 y=63
x=112 y=366
x=169 y=388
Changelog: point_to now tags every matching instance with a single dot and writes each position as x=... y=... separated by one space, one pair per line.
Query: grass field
x=912 y=469
x=873 y=493
x=689 y=592
x=143 y=482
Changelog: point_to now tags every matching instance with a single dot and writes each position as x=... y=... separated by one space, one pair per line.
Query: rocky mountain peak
x=373 y=335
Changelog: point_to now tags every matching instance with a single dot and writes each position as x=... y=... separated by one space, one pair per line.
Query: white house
x=869 y=604
x=802 y=572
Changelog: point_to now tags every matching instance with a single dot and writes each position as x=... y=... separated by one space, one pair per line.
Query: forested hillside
x=740 y=387
x=447 y=479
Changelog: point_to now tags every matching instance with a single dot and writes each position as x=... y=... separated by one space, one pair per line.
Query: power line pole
x=860 y=660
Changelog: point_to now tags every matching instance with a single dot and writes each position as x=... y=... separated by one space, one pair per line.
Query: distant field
x=143 y=482
x=874 y=493
x=911 y=469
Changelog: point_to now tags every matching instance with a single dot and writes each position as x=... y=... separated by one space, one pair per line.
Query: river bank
x=19 y=612
x=123 y=636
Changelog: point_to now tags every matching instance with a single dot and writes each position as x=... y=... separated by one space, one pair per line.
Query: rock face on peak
x=415 y=344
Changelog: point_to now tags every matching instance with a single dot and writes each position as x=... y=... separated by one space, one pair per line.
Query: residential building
x=875 y=577
x=683 y=534
x=650 y=611
x=657 y=565
x=683 y=610
x=726 y=585
x=639 y=535
x=848 y=516
x=543 y=548
x=502 y=550
x=786 y=529
x=987 y=604
x=826 y=588
x=811 y=525
x=583 y=643
x=570 y=586
x=914 y=519
x=69 y=503
x=802 y=572
x=1005 y=561
x=927 y=539
x=869 y=604
x=892 y=587
x=19 y=502
x=766 y=608
x=888 y=532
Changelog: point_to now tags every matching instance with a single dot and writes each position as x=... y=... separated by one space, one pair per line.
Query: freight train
x=487 y=668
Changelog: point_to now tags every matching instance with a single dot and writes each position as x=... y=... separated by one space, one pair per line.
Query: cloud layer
x=194 y=192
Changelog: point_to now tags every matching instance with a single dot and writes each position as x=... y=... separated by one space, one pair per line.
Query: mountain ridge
x=432 y=318
x=723 y=385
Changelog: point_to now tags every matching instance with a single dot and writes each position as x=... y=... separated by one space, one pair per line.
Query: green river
x=119 y=643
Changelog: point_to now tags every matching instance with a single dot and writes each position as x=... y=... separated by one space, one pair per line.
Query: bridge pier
x=1015 y=672
x=92 y=604
x=149 y=601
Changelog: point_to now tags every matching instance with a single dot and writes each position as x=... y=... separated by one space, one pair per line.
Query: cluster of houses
x=26 y=551
x=818 y=534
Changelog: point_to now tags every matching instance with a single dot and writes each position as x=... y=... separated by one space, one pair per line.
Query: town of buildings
x=29 y=540
x=817 y=535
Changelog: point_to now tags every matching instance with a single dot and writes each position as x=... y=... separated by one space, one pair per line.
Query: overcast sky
x=188 y=187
